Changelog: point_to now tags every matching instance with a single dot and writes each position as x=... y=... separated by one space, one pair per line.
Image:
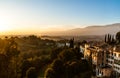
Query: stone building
x=99 y=56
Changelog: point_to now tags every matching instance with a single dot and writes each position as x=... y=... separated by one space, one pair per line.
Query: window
x=107 y=60
x=112 y=57
x=111 y=62
x=119 y=55
x=117 y=62
x=102 y=73
x=114 y=54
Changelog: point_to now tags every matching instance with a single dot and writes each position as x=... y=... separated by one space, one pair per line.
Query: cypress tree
x=110 y=39
x=72 y=43
x=105 y=38
x=113 y=40
x=118 y=37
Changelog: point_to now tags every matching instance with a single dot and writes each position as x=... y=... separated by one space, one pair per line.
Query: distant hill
x=90 y=30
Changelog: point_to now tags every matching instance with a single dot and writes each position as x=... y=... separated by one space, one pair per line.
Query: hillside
x=90 y=30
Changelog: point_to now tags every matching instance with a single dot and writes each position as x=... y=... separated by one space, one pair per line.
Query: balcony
x=117 y=62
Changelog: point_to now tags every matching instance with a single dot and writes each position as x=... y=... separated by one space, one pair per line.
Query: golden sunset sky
x=37 y=16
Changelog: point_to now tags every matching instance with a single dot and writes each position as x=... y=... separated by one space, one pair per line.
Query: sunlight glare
x=3 y=28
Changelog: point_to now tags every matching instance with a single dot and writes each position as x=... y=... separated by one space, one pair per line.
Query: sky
x=33 y=16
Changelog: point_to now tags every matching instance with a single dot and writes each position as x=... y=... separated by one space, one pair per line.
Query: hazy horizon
x=38 y=16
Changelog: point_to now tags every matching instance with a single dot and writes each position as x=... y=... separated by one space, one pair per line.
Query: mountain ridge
x=90 y=30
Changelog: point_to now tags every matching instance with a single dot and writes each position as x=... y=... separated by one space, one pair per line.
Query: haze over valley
x=88 y=31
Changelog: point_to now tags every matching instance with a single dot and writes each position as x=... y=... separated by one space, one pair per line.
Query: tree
x=78 y=68
x=55 y=52
x=109 y=39
x=84 y=42
x=11 y=51
x=105 y=38
x=118 y=37
x=49 y=73
x=57 y=65
x=67 y=55
x=72 y=69
x=31 y=73
x=11 y=48
x=24 y=67
x=56 y=70
x=69 y=64
x=71 y=43
x=3 y=66
x=113 y=41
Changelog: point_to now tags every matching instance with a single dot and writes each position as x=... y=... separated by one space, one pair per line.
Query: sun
x=3 y=28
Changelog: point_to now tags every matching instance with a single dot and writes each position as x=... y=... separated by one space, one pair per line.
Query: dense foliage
x=33 y=57
x=68 y=63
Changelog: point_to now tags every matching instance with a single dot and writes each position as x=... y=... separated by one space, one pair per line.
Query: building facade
x=102 y=59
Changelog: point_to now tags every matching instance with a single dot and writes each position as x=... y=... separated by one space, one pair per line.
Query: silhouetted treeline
x=111 y=39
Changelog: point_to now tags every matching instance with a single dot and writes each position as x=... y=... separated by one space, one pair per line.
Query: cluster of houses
x=105 y=59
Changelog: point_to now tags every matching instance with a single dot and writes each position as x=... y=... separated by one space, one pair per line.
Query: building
x=116 y=64
x=99 y=55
